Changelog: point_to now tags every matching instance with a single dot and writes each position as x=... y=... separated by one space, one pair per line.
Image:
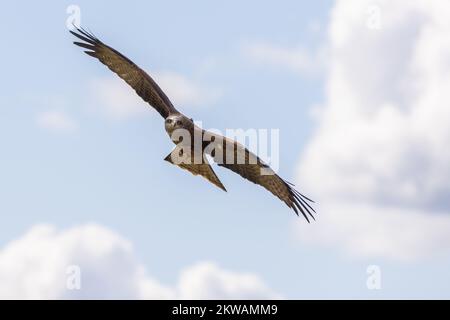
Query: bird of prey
x=224 y=151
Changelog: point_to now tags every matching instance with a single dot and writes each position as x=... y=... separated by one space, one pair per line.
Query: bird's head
x=177 y=121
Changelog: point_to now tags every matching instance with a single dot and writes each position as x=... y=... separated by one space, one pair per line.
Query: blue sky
x=110 y=170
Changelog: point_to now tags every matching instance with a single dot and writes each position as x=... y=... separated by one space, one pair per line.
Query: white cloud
x=186 y=92
x=296 y=59
x=379 y=160
x=35 y=267
x=118 y=100
x=207 y=281
x=114 y=98
x=376 y=231
x=56 y=121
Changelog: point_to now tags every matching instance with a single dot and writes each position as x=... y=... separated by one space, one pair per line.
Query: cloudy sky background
x=358 y=89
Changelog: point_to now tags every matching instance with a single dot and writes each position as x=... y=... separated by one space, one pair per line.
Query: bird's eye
x=178 y=123
x=169 y=120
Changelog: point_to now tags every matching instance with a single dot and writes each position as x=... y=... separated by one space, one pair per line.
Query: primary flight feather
x=193 y=159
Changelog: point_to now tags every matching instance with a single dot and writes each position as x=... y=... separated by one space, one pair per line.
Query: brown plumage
x=138 y=79
x=251 y=168
x=203 y=169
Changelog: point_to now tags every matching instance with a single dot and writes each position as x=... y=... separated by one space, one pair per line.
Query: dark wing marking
x=250 y=167
x=138 y=79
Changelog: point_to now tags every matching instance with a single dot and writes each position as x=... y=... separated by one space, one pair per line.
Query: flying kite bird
x=225 y=152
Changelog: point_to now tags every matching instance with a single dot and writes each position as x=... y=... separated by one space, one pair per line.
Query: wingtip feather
x=299 y=204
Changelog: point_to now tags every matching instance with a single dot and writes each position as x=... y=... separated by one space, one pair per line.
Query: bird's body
x=192 y=143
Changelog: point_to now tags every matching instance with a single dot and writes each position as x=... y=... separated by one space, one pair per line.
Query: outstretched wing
x=204 y=169
x=138 y=79
x=240 y=160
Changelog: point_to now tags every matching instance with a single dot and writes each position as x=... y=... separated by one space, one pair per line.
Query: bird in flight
x=183 y=131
